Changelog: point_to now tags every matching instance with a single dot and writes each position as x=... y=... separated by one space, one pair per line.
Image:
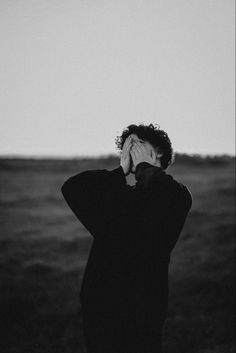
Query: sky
x=74 y=74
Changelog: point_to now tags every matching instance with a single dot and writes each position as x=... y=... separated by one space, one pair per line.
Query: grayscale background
x=73 y=75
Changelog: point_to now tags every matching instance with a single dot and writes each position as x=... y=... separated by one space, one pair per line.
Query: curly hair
x=152 y=134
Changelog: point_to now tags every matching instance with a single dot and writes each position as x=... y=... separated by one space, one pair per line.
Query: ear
x=159 y=154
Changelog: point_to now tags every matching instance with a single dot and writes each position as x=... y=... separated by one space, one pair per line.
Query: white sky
x=75 y=73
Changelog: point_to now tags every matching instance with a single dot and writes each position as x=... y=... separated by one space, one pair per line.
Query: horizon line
x=107 y=155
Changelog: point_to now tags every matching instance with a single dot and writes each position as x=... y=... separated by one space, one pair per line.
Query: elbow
x=65 y=188
x=190 y=202
x=187 y=202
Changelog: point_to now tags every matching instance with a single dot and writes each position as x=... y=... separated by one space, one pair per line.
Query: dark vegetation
x=44 y=250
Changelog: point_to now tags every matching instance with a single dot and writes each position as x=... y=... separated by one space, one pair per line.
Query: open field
x=44 y=250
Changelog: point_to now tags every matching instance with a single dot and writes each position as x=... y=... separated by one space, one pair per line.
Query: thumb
x=153 y=155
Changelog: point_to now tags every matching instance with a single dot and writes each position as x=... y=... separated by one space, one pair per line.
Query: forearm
x=145 y=174
x=91 y=196
x=85 y=187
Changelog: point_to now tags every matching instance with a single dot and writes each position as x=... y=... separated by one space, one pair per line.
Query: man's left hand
x=141 y=153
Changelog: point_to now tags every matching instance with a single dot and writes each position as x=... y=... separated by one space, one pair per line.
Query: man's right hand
x=125 y=158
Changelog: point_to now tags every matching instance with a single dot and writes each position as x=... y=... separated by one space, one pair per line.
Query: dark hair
x=155 y=136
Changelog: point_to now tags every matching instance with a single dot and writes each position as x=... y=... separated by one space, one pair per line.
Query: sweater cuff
x=144 y=171
x=118 y=175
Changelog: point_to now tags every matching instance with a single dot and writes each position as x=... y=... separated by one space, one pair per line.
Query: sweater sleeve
x=159 y=209
x=91 y=196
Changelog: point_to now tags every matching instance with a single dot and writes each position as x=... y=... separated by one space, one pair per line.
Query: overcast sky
x=75 y=73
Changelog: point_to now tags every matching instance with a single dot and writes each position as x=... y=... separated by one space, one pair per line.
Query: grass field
x=44 y=250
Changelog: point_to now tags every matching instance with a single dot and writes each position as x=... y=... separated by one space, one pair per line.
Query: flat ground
x=44 y=250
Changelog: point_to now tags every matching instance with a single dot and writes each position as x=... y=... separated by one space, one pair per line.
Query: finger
x=125 y=146
x=148 y=150
x=128 y=141
x=139 y=146
x=145 y=149
x=129 y=146
x=136 y=147
x=133 y=156
x=136 y=150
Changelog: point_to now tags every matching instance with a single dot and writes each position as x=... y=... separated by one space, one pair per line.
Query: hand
x=125 y=158
x=141 y=153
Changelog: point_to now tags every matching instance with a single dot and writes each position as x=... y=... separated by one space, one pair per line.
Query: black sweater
x=134 y=229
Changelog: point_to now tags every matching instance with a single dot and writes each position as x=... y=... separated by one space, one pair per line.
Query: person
x=124 y=292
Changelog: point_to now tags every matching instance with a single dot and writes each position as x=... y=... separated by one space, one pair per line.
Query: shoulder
x=182 y=191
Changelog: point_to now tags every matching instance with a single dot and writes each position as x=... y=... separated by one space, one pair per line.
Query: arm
x=91 y=194
x=159 y=209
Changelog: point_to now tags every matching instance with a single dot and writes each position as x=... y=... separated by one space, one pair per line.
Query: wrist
x=124 y=170
x=117 y=176
x=145 y=170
